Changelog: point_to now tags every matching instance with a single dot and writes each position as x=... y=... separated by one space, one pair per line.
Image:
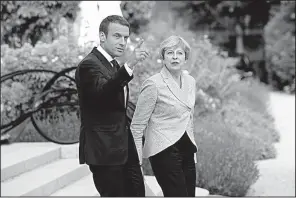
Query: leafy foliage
x=31 y=21
x=222 y=15
x=211 y=16
x=60 y=54
x=18 y=92
x=137 y=13
x=280 y=46
x=224 y=167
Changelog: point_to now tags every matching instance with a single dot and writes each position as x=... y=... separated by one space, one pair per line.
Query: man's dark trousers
x=120 y=180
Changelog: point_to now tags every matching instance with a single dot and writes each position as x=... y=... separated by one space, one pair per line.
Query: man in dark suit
x=106 y=143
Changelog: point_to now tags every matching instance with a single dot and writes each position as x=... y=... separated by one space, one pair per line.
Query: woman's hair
x=174 y=41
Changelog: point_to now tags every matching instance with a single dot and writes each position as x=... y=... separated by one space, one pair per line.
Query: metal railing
x=52 y=107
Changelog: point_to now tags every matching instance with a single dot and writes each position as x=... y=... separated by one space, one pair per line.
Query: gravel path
x=277 y=176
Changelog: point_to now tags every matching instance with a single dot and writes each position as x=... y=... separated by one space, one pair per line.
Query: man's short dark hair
x=112 y=19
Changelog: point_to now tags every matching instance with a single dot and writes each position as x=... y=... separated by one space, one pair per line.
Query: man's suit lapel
x=110 y=68
x=102 y=58
x=180 y=94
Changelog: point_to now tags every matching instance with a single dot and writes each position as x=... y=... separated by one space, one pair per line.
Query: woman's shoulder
x=153 y=81
x=154 y=78
x=188 y=76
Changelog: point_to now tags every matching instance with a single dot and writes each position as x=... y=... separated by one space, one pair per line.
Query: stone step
x=83 y=187
x=45 y=180
x=46 y=169
x=20 y=158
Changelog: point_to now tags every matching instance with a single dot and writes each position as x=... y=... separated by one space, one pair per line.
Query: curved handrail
x=19 y=72
x=23 y=115
x=39 y=101
x=55 y=77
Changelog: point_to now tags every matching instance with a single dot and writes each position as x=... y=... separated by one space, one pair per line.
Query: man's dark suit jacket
x=103 y=132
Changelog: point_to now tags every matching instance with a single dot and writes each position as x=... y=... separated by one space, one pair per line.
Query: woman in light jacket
x=164 y=115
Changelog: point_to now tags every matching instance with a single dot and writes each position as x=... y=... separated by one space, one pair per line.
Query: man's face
x=116 y=39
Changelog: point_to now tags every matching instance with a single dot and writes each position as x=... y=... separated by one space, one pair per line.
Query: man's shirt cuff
x=129 y=70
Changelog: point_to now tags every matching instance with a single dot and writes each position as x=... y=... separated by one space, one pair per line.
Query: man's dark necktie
x=115 y=64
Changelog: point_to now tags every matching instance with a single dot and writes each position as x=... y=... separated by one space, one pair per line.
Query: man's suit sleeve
x=98 y=83
x=145 y=106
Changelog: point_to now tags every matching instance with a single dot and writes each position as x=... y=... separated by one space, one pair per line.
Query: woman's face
x=174 y=58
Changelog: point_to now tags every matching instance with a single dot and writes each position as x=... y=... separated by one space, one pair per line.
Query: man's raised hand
x=139 y=54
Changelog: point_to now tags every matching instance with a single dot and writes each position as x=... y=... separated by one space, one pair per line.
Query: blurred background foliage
x=267 y=46
x=32 y=21
x=229 y=40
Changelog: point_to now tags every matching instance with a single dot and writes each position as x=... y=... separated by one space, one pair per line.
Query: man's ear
x=102 y=36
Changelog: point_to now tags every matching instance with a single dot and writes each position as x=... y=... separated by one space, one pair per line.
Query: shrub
x=252 y=140
x=223 y=166
x=251 y=122
x=17 y=94
x=253 y=94
x=60 y=54
x=137 y=13
x=64 y=126
x=29 y=134
x=219 y=87
x=31 y=21
x=280 y=46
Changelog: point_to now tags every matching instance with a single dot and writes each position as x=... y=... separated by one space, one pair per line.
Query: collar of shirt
x=105 y=54
x=109 y=58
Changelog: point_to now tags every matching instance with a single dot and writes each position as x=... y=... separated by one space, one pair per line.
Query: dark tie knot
x=115 y=64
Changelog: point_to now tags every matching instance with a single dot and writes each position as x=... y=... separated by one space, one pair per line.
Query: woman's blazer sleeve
x=192 y=111
x=144 y=108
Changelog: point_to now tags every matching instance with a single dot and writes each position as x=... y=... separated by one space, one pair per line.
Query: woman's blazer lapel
x=181 y=94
